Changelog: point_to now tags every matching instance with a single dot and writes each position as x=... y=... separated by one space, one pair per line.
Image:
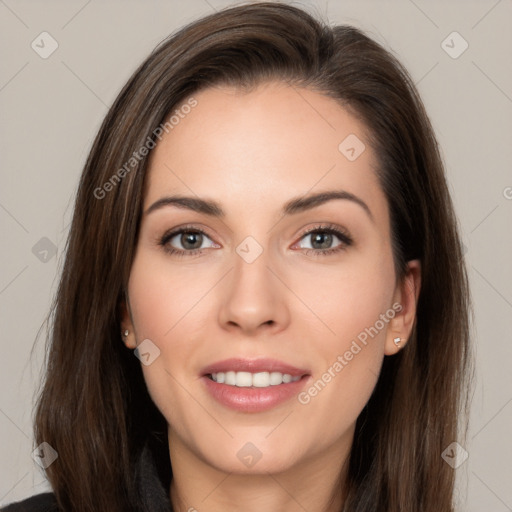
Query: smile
x=257 y=380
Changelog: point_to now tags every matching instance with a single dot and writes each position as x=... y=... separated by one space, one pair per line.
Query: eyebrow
x=294 y=206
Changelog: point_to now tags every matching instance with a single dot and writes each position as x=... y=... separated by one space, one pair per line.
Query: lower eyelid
x=344 y=240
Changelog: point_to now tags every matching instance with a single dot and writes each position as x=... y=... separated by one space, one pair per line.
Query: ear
x=127 y=331
x=405 y=299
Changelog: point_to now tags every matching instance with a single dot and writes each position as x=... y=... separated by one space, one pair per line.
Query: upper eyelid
x=342 y=234
x=171 y=233
x=338 y=230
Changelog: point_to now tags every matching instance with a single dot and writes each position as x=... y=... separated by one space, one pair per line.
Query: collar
x=153 y=488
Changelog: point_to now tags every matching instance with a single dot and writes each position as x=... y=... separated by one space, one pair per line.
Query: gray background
x=51 y=109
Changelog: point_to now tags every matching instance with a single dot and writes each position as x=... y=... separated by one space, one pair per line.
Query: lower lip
x=251 y=399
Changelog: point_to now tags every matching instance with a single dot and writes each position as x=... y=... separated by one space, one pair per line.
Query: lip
x=252 y=399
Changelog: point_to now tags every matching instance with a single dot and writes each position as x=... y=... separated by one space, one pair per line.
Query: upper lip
x=253 y=366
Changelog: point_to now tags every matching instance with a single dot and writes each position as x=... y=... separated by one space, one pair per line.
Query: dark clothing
x=151 y=487
x=44 y=502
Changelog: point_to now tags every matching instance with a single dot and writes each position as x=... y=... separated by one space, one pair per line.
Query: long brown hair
x=94 y=408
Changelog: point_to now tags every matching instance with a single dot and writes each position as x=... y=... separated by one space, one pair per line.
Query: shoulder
x=44 y=502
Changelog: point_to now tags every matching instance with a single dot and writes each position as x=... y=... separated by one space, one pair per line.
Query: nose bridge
x=252 y=297
x=251 y=263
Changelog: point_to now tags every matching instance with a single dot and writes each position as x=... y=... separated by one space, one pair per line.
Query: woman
x=263 y=305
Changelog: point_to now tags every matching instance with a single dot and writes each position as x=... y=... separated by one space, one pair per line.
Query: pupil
x=191 y=238
x=324 y=239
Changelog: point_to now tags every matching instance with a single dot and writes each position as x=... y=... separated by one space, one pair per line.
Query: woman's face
x=247 y=283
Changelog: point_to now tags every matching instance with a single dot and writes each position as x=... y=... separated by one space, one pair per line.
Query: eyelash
x=331 y=229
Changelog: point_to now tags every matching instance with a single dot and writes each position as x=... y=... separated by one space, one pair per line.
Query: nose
x=253 y=299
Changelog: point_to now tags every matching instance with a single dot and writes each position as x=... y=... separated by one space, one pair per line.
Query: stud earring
x=397 y=342
x=126 y=332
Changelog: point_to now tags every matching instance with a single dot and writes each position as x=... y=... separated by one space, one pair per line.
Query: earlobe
x=406 y=295
x=127 y=331
x=128 y=338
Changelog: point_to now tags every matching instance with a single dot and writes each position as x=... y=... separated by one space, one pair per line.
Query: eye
x=189 y=241
x=320 y=240
x=186 y=241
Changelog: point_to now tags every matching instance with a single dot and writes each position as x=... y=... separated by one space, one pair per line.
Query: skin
x=252 y=152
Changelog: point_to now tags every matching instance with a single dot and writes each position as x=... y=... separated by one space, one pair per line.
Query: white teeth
x=243 y=379
x=261 y=380
x=257 y=380
x=276 y=378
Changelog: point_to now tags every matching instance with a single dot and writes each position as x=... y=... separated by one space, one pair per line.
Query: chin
x=254 y=455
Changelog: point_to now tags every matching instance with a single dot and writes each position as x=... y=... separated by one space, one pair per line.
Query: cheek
x=162 y=303
x=351 y=297
x=355 y=303
x=161 y=298
x=169 y=306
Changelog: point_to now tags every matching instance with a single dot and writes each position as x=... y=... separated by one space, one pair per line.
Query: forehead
x=257 y=148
